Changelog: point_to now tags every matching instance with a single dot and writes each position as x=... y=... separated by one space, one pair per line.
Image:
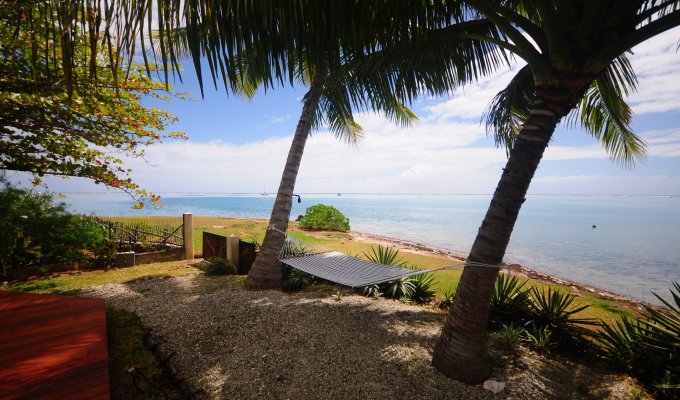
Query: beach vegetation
x=39 y=233
x=321 y=217
x=447 y=299
x=540 y=338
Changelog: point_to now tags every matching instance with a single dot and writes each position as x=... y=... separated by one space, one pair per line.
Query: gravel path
x=233 y=343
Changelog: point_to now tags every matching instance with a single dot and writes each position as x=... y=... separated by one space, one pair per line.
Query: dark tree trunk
x=461 y=352
x=266 y=272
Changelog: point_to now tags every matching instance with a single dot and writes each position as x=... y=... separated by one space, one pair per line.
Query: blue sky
x=240 y=146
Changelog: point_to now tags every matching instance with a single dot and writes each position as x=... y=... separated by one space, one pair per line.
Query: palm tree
x=576 y=63
x=355 y=62
x=329 y=99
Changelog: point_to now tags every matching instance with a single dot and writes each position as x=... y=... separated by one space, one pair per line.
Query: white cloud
x=656 y=64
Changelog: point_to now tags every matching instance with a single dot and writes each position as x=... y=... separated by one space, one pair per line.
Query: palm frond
x=509 y=109
x=604 y=114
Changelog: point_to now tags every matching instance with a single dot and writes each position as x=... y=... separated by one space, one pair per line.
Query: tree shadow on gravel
x=234 y=343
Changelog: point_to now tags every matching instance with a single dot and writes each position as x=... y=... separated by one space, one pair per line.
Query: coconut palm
x=329 y=101
x=355 y=64
x=576 y=63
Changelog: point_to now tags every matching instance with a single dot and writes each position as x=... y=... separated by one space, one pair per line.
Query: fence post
x=188 y=233
x=232 y=249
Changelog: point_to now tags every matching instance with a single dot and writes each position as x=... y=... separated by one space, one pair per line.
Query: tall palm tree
x=576 y=63
x=353 y=58
x=330 y=99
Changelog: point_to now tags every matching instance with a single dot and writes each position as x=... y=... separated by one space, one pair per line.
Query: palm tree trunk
x=266 y=272
x=461 y=352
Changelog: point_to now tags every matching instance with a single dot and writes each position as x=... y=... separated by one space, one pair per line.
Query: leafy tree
x=322 y=217
x=49 y=128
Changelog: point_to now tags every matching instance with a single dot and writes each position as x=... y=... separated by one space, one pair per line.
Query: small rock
x=494 y=386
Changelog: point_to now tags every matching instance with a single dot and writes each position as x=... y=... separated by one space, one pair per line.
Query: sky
x=240 y=146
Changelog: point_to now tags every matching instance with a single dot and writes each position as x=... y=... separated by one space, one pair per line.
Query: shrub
x=294 y=248
x=327 y=218
x=371 y=291
x=396 y=289
x=220 y=266
x=39 y=232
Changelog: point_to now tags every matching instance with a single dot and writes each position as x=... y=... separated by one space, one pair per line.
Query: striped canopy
x=349 y=271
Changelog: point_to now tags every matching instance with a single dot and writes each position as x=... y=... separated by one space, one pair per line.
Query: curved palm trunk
x=266 y=272
x=461 y=352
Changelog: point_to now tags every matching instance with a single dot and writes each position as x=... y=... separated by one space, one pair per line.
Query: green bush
x=39 y=232
x=324 y=218
x=220 y=266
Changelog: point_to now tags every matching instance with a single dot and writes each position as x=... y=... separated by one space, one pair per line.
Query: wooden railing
x=138 y=232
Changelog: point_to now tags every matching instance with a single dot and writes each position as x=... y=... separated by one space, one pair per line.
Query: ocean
x=634 y=249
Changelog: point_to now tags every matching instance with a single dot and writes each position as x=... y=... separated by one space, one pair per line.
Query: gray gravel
x=233 y=343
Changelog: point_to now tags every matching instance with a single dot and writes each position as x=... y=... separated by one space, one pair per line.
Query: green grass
x=72 y=283
x=250 y=229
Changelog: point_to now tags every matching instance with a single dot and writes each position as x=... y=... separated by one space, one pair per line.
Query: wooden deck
x=52 y=347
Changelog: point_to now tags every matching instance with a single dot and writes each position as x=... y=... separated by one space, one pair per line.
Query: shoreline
x=425 y=249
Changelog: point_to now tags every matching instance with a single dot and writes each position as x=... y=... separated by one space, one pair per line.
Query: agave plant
x=539 y=338
x=554 y=310
x=445 y=303
x=398 y=288
x=508 y=301
x=371 y=291
x=294 y=248
x=422 y=288
x=511 y=334
x=385 y=255
x=295 y=279
x=648 y=348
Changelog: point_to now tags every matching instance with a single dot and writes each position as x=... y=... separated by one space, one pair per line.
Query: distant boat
x=264 y=191
x=339 y=194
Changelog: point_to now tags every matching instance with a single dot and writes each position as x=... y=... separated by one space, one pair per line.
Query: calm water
x=634 y=250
